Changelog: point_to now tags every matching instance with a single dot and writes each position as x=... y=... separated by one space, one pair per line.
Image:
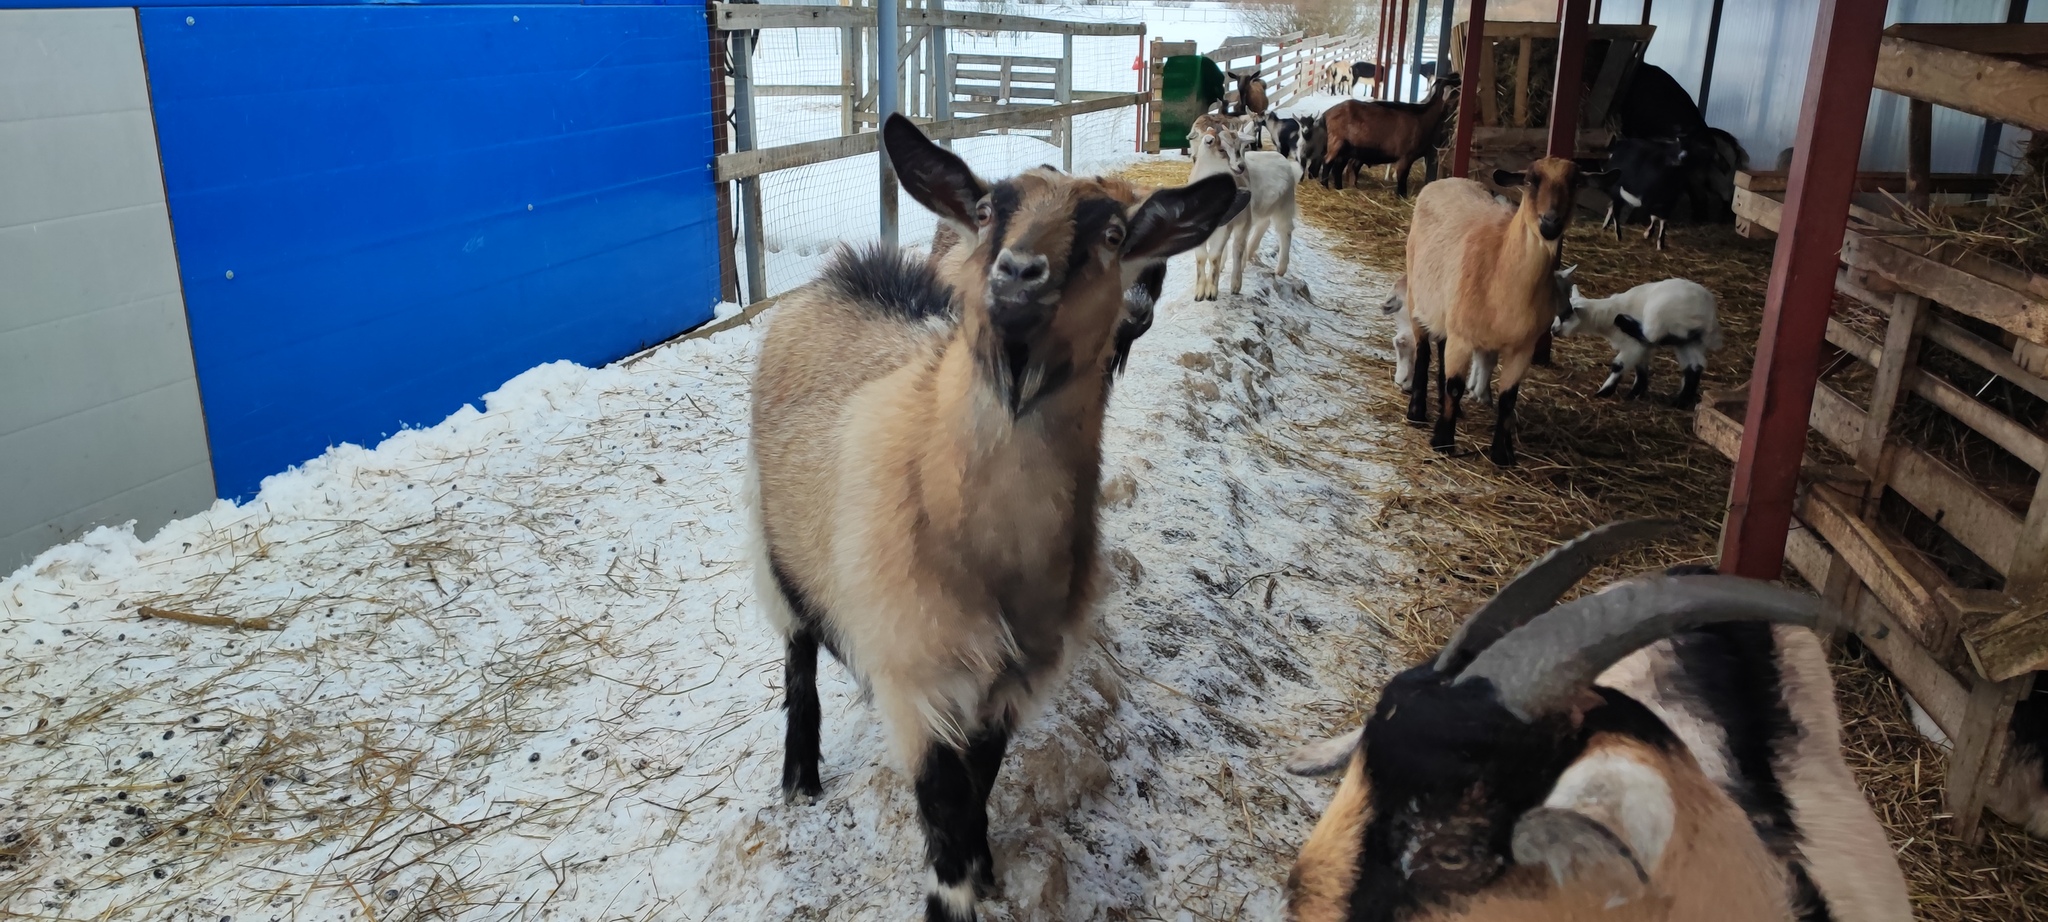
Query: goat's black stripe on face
x=1091 y=216
x=1451 y=770
x=1004 y=201
x=1733 y=669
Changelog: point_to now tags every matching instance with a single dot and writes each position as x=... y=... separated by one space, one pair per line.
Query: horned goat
x=1674 y=313
x=1360 y=134
x=1270 y=180
x=1480 y=279
x=1664 y=750
x=924 y=464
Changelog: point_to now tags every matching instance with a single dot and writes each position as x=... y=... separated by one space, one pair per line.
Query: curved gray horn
x=1539 y=587
x=1541 y=667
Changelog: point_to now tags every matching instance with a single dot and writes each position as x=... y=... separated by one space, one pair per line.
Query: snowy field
x=509 y=667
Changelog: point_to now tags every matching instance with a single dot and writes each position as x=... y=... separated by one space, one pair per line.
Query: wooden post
x=1802 y=287
x=1919 y=153
x=1468 y=88
x=1979 y=749
x=849 y=79
x=1646 y=12
x=1400 y=47
x=721 y=142
x=750 y=187
x=1571 y=80
x=1063 y=93
x=888 y=101
x=1525 y=51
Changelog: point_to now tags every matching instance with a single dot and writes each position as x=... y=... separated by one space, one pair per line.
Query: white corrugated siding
x=1760 y=74
x=100 y=419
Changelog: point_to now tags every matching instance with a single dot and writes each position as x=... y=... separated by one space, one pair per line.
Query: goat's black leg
x=1614 y=372
x=1689 y=392
x=955 y=832
x=1642 y=385
x=1503 y=450
x=1429 y=168
x=800 y=743
x=985 y=751
x=1451 y=384
x=1401 y=168
x=1418 y=390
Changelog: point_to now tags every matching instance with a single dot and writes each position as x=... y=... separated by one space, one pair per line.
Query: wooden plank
x=1833 y=514
x=767 y=160
x=1524 y=52
x=2013 y=645
x=997 y=91
x=1895 y=364
x=1616 y=67
x=1719 y=430
x=2022 y=442
x=1919 y=153
x=1973 y=517
x=742 y=16
x=1987 y=356
x=1979 y=750
x=1979 y=38
x=2028 y=576
x=1963 y=291
x=1998 y=89
x=1489 y=77
x=1879 y=181
x=1001 y=59
x=1940 y=694
x=1547 y=29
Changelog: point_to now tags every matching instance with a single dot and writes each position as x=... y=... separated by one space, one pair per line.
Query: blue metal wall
x=383 y=212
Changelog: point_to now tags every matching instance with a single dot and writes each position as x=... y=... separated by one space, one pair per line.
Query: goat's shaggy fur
x=924 y=461
x=1480 y=280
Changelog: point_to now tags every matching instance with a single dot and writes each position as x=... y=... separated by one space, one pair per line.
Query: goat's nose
x=1014 y=270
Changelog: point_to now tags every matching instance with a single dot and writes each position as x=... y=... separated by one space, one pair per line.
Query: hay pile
x=1588 y=461
x=2011 y=228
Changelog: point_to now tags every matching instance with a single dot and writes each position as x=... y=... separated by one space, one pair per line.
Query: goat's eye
x=983 y=214
x=1452 y=859
x=1113 y=235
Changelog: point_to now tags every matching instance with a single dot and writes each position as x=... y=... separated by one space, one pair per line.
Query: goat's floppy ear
x=1605 y=824
x=1172 y=221
x=1506 y=178
x=1325 y=757
x=934 y=176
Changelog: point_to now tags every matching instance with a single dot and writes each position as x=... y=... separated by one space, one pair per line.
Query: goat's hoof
x=987 y=885
x=1501 y=456
x=1406 y=388
x=801 y=787
x=1686 y=401
x=1604 y=392
x=936 y=909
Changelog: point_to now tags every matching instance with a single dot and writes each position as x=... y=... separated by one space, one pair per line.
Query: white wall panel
x=100 y=419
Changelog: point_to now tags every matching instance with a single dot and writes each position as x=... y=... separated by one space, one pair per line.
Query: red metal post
x=1802 y=286
x=1400 y=49
x=1379 y=51
x=1468 y=89
x=1571 y=82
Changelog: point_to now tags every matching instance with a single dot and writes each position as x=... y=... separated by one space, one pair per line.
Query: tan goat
x=1699 y=778
x=1481 y=279
x=925 y=455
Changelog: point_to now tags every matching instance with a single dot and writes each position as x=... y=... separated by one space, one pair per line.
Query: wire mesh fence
x=813 y=84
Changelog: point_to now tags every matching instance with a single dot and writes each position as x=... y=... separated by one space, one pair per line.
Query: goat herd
x=924 y=461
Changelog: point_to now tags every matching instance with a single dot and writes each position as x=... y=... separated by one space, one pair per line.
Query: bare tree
x=1313 y=17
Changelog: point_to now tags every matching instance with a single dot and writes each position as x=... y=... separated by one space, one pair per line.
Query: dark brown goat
x=1358 y=134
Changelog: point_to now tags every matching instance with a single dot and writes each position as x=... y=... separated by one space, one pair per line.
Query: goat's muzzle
x=1551 y=227
x=1017 y=278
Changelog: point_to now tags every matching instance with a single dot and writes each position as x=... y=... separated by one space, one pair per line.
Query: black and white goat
x=1282 y=134
x=1676 y=314
x=924 y=463
x=1646 y=175
x=1664 y=750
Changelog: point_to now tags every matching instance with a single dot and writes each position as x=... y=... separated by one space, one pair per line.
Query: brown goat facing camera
x=924 y=465
x=1481 y=279
x=1664 y=750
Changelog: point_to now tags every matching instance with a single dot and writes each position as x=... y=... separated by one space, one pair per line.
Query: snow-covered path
x=508 y=666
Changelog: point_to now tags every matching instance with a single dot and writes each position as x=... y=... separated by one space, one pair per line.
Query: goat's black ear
x=1173 y=221
x=934 y=176
x=1506 y=178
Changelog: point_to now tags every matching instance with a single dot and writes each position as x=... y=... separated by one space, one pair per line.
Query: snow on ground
x=509 y=666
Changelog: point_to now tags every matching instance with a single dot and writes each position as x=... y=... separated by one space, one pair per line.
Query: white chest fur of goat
x=1270 y=179
x=1676 y=314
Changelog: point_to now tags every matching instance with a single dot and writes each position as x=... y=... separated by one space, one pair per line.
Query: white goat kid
x=1269 y=178
x=1675 y=313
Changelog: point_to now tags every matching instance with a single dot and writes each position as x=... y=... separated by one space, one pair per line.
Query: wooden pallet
x=1966 y=656
x=1511 y=135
